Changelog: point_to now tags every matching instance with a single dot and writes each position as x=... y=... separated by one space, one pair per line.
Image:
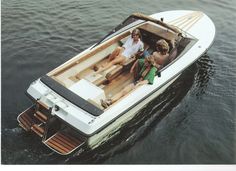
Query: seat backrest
x=173 y=54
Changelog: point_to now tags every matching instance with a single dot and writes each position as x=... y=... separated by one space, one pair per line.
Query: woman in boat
x=131 y=47
x=144 y=71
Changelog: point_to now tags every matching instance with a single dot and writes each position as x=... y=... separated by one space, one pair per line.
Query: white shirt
x=131 y=47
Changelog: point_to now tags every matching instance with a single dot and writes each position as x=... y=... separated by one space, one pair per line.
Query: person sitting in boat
x=161 y=54
x=144 y=71
x=132 y=46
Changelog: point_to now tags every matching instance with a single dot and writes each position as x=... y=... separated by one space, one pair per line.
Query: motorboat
x=66 y=111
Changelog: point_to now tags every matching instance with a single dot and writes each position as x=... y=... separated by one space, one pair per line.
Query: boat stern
x=53 y=131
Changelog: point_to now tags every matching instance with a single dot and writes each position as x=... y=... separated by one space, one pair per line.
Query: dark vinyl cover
x=71 y=96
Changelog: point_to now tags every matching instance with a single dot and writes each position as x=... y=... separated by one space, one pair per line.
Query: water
x=193 y=122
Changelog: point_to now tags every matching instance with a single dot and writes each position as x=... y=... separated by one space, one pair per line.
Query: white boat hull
x=72 y=101
x=109 y=131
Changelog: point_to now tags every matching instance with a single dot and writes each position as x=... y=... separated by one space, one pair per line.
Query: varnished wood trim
x=57 y=147
x=38 y=130
x=42 y=116
x=188 y=20
x=28 y=120
x=180 y=19
x=66 y=140
x=196 y=20
x=39 y=118
x=70 y=138
x=24 y=123
x=64 y=143
x=43 y=105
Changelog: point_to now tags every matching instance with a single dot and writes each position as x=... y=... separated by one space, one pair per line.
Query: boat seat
x=173 y=54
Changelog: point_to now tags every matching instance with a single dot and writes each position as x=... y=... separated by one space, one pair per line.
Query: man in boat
x=153 y=62
x=144 y=71
x=161 y=54
x=131 y=47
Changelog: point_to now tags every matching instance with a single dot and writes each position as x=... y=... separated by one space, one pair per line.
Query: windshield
x=132 y=21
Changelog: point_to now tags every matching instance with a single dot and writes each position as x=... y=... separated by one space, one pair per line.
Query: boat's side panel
x=109 y=131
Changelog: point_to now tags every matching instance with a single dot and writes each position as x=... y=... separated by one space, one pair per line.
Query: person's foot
x=95 y=68
x=106 y=103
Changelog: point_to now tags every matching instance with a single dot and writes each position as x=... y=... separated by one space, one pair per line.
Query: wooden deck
x=40 y=116
x=118 y=84
x=33 y=119
x=38 y=129
x=63 y=143
x=26 y=120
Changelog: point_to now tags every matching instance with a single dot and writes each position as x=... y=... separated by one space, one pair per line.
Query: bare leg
x=126 y=90
x=108 y=102
x=117 y=60
x=115 y=53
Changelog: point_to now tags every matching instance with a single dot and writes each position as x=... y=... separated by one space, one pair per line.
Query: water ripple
x=193 y=122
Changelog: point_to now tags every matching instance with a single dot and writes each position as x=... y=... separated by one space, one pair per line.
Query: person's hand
x=131 y=70
x=139 y=54
x=133 y=56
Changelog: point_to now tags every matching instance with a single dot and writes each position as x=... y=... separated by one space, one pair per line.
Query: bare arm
x=132 y=68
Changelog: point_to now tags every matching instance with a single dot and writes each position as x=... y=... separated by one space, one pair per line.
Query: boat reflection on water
x=194 y=78
x=206 y=70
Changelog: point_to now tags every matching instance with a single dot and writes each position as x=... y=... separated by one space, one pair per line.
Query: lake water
x=193 y=122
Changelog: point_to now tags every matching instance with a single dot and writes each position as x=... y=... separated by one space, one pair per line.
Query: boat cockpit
x=77 y=76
